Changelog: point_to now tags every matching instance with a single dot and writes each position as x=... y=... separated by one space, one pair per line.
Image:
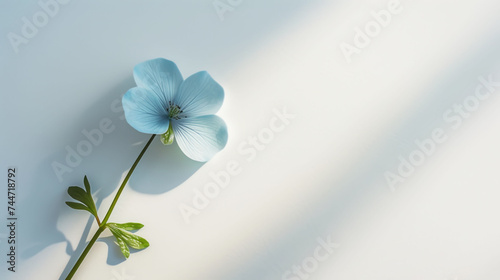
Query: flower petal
x=199 y=95
x=200 y=138
x=145 y=111
x=160 y=76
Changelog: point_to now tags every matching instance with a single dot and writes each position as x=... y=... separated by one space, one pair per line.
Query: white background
x=322 y=176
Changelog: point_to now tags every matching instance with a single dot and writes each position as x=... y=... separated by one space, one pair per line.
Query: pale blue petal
x=200 y=138
x=199 y=95
x=160 y=76
x=145 y=111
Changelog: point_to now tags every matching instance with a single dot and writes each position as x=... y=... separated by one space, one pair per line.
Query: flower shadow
x=167 y=162
x=110 y=156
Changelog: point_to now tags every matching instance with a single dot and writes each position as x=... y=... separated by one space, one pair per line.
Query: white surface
x=322 y=176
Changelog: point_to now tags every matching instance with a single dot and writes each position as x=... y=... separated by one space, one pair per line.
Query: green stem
x=117 y=196
x=85 y=252
x=102 y=226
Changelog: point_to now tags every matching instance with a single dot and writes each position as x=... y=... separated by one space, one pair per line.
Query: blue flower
x=164 y=103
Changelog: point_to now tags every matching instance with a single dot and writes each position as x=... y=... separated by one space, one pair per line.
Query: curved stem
x=85 y=252
x=102 y=226
x=117 y=196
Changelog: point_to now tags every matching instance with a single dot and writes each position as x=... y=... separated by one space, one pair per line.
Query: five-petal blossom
x=164 y=103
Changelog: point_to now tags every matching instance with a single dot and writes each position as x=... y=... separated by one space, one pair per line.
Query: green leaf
x=83 y=196
x=123 y=247
x=77 y=206
x=127 y=226
x=79 y=194
x=131 y=239
x=125 y=239
x=91 y=204
x=86 y=183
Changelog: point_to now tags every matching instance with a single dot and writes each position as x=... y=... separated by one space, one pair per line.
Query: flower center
x=174 y=111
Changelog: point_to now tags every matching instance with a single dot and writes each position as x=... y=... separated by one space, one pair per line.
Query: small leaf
x=91 y=203
x=84 y=196
x=131 y=239
x=86 y=183
x=77 y=206
x=123 y=247
x=79 y=194
x=127 y=226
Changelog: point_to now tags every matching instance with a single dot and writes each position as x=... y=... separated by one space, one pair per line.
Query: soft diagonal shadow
x=104 y=167
x=111 y=158
x=54 y=191
x=332 y=210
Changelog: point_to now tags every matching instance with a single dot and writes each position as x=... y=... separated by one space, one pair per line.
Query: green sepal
x=125 y=239
x=83 y=196
x=167 y=138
